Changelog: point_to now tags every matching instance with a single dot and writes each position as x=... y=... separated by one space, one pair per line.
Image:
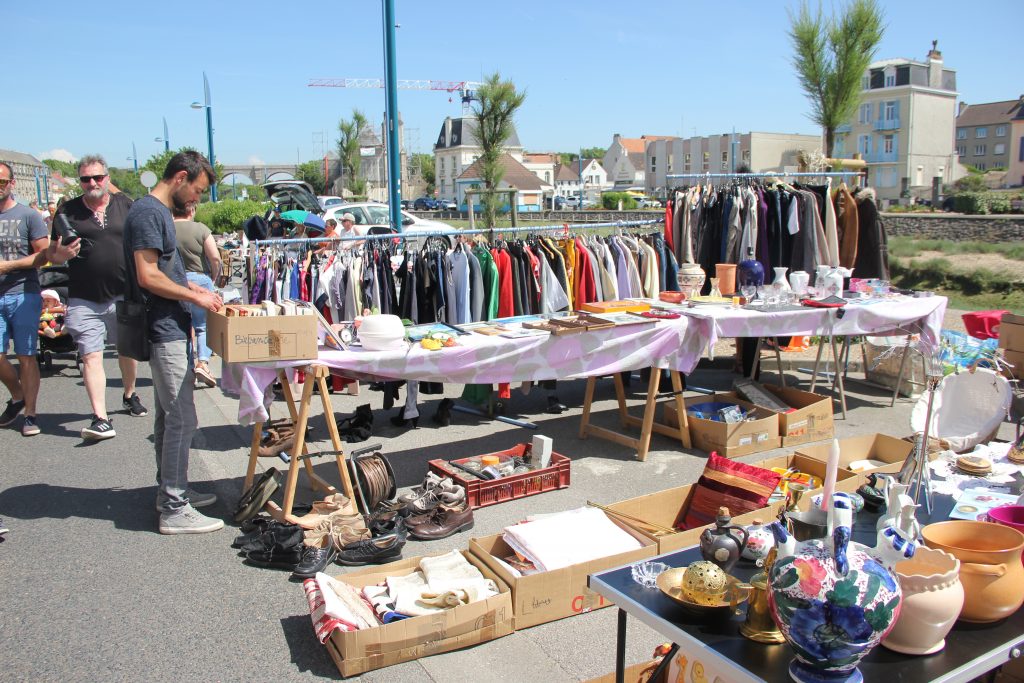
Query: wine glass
x=748 y=291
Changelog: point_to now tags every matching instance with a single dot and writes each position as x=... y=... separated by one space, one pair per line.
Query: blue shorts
x=19 y=322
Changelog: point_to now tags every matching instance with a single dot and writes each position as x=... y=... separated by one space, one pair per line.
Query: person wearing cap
x=349 y=229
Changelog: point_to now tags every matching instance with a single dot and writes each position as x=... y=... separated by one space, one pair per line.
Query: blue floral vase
x=833 y=600
x=749 y=272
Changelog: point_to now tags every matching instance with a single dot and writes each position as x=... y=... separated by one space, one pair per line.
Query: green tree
x=68 y=169
x=568 y=158
x=127 y=180
x=158 y=162
x=593 y=152
x=313 y=173
x=349 y=131
x=423 y=164
x=831 y=55
x=495 y=106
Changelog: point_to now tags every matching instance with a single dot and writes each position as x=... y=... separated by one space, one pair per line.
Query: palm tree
x=348 y=148
x=496 y=104
x=831 y=55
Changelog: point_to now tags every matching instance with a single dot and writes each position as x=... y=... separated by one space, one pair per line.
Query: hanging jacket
x=872 y=245
x=847 y=223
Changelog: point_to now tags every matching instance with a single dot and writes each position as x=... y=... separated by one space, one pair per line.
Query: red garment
x=586 y=288
x=668 y=223
x=535 y=273
x=503 y=261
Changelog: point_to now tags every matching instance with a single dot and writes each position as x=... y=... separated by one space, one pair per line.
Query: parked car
x=406 y=204
x=293 y=194
x=447 y=205
x=647 y=203
x=374 y=218
x=558 y=203
x=327 y=201
x=426 y=204
x=571 y=203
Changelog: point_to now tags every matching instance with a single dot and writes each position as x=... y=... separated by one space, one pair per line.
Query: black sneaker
x=314 y=560
x=11 y=413
x=99 y=429
x=134 y=406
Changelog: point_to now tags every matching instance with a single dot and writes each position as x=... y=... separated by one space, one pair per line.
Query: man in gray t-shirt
x=22 y=236
x=154 y=267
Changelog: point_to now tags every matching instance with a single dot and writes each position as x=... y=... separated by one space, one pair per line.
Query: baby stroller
x=53 y=337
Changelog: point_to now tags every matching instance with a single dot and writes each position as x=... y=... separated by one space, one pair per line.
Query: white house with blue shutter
x=905 y=126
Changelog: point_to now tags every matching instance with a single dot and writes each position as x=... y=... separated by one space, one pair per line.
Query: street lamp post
x=166 y=139
x=209 y=129
x=134 y=158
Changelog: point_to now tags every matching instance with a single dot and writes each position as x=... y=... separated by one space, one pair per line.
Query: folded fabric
x=741 y=487
x=405 y=592
x=449 y=571
x=382 y=604
x=569 y=538
x=338 y=605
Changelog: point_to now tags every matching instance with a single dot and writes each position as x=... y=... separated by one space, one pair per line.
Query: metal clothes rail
x=566 y=227
x=780 y=174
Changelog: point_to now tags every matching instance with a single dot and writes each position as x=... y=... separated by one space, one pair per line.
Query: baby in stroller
x=53 y=338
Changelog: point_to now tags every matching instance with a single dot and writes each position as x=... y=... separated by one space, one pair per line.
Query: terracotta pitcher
x=990 y=566
x=932 y=599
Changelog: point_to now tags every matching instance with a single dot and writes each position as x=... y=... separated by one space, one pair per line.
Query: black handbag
x=133 y=330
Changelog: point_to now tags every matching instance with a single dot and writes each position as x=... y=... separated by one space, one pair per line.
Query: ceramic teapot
x=760 y=541
x=834 y=600
x=725 y=542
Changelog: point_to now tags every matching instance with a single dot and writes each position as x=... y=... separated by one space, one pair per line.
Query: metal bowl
x=736 y=593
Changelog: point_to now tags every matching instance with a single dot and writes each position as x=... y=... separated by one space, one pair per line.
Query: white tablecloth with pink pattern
x=480 y=359
x=896 y=315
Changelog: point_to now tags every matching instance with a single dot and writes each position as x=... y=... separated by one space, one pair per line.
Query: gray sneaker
x=196 y=499
x=188 y=521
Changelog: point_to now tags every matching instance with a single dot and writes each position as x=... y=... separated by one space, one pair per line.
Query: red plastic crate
x=483 y=492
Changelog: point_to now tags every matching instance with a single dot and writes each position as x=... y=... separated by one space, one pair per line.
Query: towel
x=335 y=605
x=569 y=538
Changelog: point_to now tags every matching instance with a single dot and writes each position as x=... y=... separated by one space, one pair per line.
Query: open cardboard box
x=810 y=421
x=240 y=339
x=1011 y=332
x=846 y=481
x=559 y=593
x=881 y=447
x=730 y=440
x=356 y=652
x=666 y=507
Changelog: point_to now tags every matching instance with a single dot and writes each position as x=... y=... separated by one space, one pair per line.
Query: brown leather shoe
x=443 y=524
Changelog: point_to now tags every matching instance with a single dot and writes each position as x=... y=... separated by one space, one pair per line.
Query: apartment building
x=624 y=160
x=455 y=151
x=1015 y=169
x=905 y=126
x=724 y=153
x=983 y=133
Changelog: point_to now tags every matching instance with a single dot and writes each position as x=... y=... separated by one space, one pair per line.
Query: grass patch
x=1013 y=301
x=907 y=247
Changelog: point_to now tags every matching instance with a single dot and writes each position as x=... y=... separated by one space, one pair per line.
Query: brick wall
x=955 y=227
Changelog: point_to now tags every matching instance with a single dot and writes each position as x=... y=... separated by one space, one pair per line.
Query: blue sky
x=103 y=76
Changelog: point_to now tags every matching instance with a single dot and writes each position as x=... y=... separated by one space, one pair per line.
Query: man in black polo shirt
x=97 y=282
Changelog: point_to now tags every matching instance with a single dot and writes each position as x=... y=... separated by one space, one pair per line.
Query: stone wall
x=955 y=227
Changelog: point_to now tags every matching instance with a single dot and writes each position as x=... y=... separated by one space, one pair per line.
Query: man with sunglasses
x=22 y=237
x=96 y=283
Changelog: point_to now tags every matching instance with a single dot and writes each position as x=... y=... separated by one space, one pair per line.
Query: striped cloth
x=725 y=483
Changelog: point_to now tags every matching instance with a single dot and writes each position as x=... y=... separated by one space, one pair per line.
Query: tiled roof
x=540 y=157
x=988 y=113
x=516 y=175
x=568 y=173
x=464 y=134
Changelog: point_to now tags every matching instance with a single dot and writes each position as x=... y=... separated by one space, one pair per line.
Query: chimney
x=963 y=106
x=934 y=66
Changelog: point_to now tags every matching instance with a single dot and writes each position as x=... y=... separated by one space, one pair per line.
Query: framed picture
x=419 y=332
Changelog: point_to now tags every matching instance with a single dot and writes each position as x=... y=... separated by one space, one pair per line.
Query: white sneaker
x=188 y=521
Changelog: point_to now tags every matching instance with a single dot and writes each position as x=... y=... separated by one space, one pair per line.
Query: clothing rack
x=456 y=233
x=780 y=174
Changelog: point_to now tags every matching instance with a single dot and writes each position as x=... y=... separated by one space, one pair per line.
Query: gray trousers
x=175 y=421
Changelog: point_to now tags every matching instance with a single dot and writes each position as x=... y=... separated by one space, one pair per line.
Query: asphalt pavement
x=91 y=590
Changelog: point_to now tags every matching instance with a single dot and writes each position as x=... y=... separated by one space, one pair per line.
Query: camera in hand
x=67 y=233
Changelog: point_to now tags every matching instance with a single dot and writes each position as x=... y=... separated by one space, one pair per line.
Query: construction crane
x=466 y=89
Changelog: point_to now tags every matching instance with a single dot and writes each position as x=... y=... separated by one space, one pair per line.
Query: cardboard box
x=845 y=480
x=635 y=673
x=279 y=337
x=1015 y=358
x=559 y=593
x=881 y=447
x=1011 y=332
x=811 y=421
x=730 y=440
x=357 y=652
x=665 y=508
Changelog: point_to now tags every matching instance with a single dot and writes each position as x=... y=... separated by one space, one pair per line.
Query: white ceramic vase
x=799 y=280
x=932 y=599
x=780 y=279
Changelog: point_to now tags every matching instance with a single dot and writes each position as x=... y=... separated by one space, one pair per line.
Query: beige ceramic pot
x=932 y=599
x=990 y=566
x=690 y=278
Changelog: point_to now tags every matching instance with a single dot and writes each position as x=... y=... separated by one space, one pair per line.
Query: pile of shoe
x=266 y=542
x=436 y=509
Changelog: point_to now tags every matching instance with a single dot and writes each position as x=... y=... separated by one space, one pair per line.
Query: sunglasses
x=95 y=178
x=4 y=182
